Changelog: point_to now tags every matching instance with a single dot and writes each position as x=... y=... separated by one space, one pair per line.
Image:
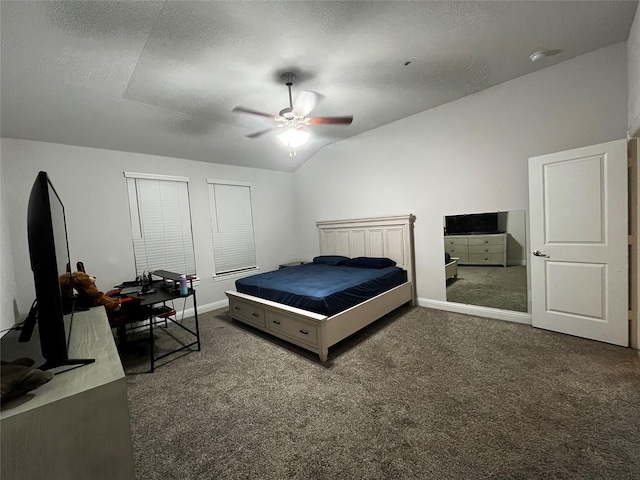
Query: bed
x=317 y=325
x=450 y=267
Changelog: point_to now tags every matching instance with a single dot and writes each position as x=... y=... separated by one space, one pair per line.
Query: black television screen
x=475 y=223
x=49 y=255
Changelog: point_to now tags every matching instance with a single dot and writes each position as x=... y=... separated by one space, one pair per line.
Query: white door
x=578 y=231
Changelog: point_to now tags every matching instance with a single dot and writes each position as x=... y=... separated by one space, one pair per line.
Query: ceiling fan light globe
x=294 y=137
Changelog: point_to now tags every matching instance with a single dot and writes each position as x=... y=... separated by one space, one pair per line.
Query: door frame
x=633 y=154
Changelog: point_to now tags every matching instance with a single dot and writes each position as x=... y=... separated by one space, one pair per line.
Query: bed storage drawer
x=451 y=269
x=292 y=327
x=246 y=312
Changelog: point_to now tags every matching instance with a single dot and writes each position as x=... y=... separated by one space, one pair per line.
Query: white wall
x=466 y=156
x=633 y=54
x=92 y=187
x=8 y=287
x=516 y=226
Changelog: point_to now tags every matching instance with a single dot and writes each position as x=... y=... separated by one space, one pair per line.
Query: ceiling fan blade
x=262 y=132
x=306 y=102
x=254 y=112
x=329 y=120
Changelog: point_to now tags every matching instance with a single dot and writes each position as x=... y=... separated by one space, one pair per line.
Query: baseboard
x=517 y=317
x=208 y=307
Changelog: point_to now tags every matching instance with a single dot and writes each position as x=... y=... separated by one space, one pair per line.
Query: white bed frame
x=390 y=237
x=451 y=269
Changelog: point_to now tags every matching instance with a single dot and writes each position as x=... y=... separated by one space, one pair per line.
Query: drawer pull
x=486 y=241
x=486 y=249
x=306 y=332
x=277 y=322
x=255 y=314
x=236 y=308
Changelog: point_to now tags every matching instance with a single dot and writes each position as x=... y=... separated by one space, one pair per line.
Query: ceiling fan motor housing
x=288 y=78
x=287 y=113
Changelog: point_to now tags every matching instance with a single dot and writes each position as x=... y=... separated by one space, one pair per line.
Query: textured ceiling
x=163 y=77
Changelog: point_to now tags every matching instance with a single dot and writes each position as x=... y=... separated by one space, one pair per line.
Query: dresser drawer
x=455 y=241
x=246 y=311
x=292 y=327
x=487 y=240
x=486 y=258
x=489 y=248
x=462 y=254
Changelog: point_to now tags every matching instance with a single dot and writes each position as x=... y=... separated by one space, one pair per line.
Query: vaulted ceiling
x=162 y=77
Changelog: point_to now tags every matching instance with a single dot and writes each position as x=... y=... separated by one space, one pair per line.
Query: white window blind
x=161 y=223
x=232 y=226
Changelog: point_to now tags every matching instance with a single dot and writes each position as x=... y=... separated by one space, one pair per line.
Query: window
x=160 y=223
x=232 y=227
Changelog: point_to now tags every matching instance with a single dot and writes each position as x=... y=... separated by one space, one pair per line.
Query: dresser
x=488 y=249
x=77 y=425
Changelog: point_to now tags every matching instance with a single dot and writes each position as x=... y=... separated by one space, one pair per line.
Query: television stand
x=77 y=424
x=78 y=362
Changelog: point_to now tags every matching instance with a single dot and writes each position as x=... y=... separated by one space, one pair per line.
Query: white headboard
x=390 y=237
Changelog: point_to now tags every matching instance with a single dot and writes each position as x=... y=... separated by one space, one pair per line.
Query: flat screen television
x=471 y=224
x=49 y=255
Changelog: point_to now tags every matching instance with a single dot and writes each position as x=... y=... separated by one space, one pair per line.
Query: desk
x=161 y=295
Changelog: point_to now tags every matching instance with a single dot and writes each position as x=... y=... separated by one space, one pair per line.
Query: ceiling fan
x=295 y=117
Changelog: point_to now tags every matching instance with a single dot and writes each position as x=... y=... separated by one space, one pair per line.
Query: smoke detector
x=535 y=56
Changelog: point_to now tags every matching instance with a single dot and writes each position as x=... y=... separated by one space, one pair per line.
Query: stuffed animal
x=19 y=378
x=88 y=293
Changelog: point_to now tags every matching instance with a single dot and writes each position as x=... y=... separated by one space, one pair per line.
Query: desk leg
x=195 y=314
x=151 y=359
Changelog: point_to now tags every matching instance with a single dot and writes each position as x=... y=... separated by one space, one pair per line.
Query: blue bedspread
x=324 y=289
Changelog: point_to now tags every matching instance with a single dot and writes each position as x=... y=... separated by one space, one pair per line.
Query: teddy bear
x=88 y=293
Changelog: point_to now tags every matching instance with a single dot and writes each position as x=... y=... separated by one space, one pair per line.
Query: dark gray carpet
x=421 y=394
x=490 y=286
